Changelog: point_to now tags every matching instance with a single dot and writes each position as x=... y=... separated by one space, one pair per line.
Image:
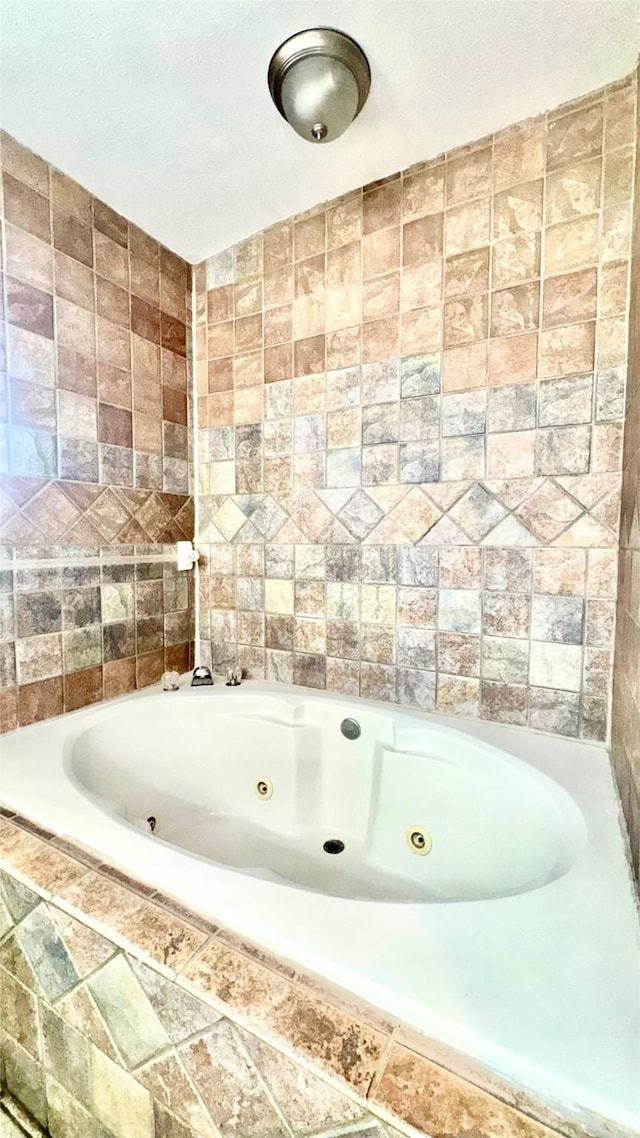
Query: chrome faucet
x=201 y=677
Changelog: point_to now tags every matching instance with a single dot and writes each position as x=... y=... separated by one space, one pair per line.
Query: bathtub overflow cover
x=419 y=840
x=264 y=788
x=333 y=846
x=351 y=729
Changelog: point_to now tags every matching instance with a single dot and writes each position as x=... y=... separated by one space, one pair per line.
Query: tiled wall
x=125 y=1016
x=94 y=446
x=410 y=411
x=626 y=687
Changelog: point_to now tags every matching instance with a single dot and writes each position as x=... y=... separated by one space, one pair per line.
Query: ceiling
x=161 y=107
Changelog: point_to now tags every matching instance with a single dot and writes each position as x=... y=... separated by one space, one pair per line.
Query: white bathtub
x=482 y=895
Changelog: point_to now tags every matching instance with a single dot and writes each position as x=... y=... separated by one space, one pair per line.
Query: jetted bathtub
x=468 y=879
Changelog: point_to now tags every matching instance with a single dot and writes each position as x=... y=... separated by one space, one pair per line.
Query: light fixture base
x=327 y=42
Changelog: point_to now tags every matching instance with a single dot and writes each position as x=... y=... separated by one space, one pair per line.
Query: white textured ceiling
x=161 y=107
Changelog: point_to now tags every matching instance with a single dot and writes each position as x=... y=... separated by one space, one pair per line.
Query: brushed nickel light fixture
x=319 y=80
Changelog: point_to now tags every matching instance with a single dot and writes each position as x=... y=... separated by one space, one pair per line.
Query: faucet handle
x=234 y=676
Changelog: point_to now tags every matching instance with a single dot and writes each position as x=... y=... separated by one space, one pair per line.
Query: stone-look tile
x=24 y=1080
x=43 y=947
x=564 y=401
x=558 y=619
x=504 y=703
x=66 y=1118
x=307 y=1104
x=66 y=1055
x=505 y=614
x=118 y=1100
x=19 y=1013
x=35 y=860
x=79 y=1011
x=515 y=309
x=556 y=666
x=230 y=1086
x=560 y=571
x=127 y=1013
x=437 y=1102
x=180 y=1013
x=567 y=350
x=554 y=711
x=167 y=1082
x=518 y=209
x=569 y=298
x=505 y=659
x=458 y=696
x=342 y=1045
x=153 y=932
x=459 y=610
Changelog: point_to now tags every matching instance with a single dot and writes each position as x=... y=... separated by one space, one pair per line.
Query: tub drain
x=333 y=846
x=264 y=788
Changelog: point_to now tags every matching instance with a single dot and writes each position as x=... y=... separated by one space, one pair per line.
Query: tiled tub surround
x=224 y=1040
x=85 y=624
x=626 y=680
x=94 y=446
x=520 y=985
x=410 y=410
x=94 y=320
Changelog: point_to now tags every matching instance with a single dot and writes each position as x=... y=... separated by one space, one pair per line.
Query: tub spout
x=201 y=677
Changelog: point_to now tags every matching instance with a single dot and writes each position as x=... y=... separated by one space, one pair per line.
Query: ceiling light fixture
x=319 y=80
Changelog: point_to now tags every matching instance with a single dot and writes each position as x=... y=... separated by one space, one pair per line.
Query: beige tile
x=571 y=244
x=567 y=350
x=468 y=176
x=422 y=192
x=289 y=1013
x=515 y=259
x=573 y=191
x=512 y=359
x=437 y=1102
x=420 y=331
x=518 y=154
x=518 y=210
x=467 y=226
x=515 y=309
x=569 y=298
x=465 y=367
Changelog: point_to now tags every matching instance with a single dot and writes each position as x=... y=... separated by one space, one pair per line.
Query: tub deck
x=536 y=991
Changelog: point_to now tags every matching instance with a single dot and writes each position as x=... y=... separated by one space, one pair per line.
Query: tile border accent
x=38 y=512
